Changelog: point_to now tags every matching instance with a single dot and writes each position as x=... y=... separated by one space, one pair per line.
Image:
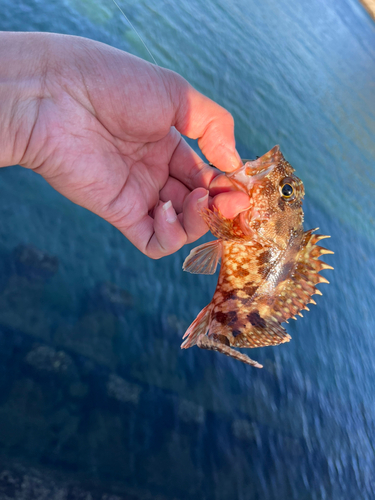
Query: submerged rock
x=22 y=305
x=93 y=336
x=33 y=263
x=46 y=358
x=110 y=297
x=122 y=390
x=18 y=482
x=244 y=429
x=22 y=309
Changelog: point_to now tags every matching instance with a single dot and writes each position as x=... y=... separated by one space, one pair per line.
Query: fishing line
x=131 y=25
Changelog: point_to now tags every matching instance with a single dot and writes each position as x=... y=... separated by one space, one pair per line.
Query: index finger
x=189 y=168
x=186 y=166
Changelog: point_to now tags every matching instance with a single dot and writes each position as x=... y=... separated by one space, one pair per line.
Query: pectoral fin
x=204 y=259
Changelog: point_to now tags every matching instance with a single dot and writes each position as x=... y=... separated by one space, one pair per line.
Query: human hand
x=103 y=128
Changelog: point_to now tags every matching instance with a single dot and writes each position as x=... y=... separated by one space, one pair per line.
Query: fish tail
x=198 y=327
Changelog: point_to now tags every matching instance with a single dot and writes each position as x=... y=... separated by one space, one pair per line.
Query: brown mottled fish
x=269 y=265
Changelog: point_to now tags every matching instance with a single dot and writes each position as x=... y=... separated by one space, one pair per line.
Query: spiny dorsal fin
x=293 y=295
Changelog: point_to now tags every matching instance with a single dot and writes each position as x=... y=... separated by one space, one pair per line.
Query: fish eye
x=287 y=190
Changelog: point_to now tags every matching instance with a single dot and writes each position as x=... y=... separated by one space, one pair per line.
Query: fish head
x=276 y=196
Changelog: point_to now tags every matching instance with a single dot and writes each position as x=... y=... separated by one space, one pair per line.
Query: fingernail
x=244 y=209
x=236 y=161
x=169 y=212
x=202 y=200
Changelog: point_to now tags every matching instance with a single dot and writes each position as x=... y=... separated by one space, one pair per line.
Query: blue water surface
x=95 y=390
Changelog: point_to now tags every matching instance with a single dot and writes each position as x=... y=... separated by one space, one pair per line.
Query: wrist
x=22 y=70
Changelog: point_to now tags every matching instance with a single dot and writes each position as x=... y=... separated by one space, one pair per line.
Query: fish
x=269 y=265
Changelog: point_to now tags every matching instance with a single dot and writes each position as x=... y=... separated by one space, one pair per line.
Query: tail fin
x=198 y=327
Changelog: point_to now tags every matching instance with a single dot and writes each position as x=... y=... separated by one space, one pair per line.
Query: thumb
x=198 y=117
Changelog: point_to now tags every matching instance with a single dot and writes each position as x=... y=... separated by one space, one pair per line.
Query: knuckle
x=227 y=117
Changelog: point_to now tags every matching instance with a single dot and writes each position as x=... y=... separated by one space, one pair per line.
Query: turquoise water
x=191 y=424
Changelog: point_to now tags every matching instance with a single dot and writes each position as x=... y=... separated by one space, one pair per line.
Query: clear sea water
x=103 y=395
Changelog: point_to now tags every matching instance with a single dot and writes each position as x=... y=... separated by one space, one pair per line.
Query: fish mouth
x=253 y=172
x=244 y=179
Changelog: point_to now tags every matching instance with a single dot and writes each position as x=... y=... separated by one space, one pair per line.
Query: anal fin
x=205 y=342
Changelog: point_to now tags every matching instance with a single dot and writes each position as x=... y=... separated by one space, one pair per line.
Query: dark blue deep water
x=97 y=401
